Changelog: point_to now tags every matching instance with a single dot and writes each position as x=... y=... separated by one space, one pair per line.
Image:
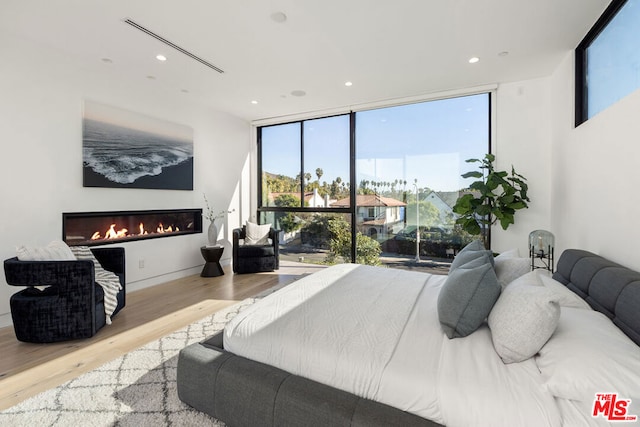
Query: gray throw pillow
x=466 y=298
x=465 y=257
x=476 y=245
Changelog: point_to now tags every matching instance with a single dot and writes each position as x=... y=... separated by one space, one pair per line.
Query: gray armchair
x=255 y=258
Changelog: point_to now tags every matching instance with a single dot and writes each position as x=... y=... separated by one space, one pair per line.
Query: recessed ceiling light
x=278 y=17
x=254 y=102
x=161 y=57
x=298 y=93
x=474 y=60
x=348 y=83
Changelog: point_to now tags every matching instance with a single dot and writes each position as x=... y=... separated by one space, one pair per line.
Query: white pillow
x=257 y=234
x=509 y=266
x=511 y=253
x=54 y=251
x=522 y=320
x=509 y=269
x=565 y=296
x=588 y=354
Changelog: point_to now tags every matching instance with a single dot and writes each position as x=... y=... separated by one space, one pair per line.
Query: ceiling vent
x=168 y=43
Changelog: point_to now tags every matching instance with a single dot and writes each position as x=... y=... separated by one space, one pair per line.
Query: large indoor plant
x=494 y=197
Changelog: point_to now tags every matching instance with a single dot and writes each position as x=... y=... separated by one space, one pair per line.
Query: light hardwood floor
x=28 y=369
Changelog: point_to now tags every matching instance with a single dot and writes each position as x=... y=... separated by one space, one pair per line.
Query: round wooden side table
x=212 y=255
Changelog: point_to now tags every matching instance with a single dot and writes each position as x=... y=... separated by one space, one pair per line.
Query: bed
x=367 y=346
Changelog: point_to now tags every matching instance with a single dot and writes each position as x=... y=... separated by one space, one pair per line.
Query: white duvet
x=375 y=333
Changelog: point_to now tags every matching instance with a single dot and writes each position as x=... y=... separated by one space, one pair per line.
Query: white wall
x=583 y=181
x=523 y=139
x=594 y=192
x=41 y=96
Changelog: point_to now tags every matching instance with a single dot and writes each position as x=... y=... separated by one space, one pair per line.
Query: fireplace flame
x=112 y=233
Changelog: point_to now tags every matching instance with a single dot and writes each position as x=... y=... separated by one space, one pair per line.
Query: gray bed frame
x=242 y=392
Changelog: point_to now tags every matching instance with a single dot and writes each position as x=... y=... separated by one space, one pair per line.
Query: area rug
x=137 y=389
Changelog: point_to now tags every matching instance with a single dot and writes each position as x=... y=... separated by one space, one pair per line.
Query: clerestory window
x=608 y=60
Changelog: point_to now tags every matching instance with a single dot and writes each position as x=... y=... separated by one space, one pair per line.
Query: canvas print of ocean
x=123 y=149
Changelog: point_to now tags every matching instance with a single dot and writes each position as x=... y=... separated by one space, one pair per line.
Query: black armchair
x=72 y=306
x=255 y=258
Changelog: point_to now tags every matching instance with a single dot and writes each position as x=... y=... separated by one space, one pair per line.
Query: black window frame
x=581 y=87
x=352 y=208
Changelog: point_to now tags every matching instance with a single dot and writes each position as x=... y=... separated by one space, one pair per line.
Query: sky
x=613 y=60
x=132 y=120
x=428 y=141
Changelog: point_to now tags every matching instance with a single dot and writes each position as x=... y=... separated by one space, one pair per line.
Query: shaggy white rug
x=137 y=389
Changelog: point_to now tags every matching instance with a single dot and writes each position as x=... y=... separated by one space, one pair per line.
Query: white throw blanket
x=108 y=280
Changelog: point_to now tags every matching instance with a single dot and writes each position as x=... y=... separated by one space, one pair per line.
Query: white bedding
x=375 y=333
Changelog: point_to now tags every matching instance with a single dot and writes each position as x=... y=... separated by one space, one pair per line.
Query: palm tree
x=319 y=173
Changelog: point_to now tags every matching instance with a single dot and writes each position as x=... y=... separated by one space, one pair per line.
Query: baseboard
x=162 y=278
x=5 y=320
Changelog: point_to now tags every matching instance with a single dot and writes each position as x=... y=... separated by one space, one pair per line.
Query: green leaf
x=506 y=221
x=483 y=210
x=472 y=174
x=517 y=205
x=480 y=186
x=471 y=226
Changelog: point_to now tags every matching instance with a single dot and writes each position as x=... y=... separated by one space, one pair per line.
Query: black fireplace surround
x=101 y=228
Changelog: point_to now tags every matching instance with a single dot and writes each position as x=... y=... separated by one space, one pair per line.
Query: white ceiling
x=388 y=49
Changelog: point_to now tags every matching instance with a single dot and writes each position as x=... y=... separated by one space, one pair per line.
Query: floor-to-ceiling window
x=409 y=160
x=377 y=185
x=305 y=187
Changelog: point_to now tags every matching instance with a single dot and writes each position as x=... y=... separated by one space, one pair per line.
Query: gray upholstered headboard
x=608 y=287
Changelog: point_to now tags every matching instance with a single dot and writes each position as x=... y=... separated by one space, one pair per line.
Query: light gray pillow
x=522 y=321
x=509 y=268
x=466 y=298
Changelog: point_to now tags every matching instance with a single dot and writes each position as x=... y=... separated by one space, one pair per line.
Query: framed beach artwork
x=123 y=149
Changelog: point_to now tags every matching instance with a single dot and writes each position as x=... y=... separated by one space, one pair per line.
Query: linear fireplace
x=101 y=228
